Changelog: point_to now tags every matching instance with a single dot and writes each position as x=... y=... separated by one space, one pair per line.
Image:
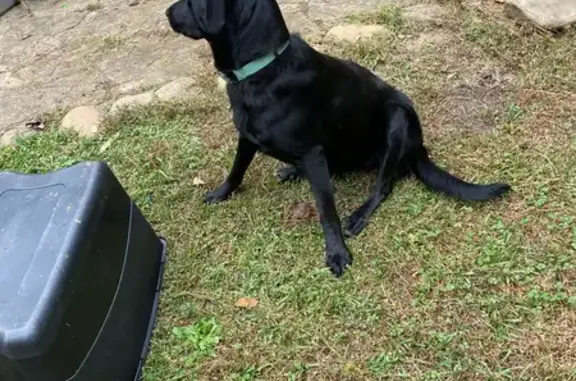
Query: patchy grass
x=101 y=44
x=390 y=16
x=440 y=290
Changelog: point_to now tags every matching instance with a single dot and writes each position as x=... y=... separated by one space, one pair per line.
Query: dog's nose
x=167 y=13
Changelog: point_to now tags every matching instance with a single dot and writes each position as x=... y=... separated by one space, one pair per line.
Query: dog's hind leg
x=397 y=143
x=289 y=173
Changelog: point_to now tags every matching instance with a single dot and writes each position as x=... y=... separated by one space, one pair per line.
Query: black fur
x=321 y=115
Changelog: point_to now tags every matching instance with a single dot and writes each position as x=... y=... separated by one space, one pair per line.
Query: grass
x=440 y=290
x=390 y=16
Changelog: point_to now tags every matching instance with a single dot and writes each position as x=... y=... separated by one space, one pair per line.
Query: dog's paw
x=291 y=173
x=338 y=261
x=217 y=195
x=354 y=224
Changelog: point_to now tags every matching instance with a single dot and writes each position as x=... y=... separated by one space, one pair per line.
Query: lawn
x=439 y=290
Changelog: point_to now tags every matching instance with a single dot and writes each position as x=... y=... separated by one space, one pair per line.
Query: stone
x=427 y=13
x=131 y=101
x=354 y=33
x=221 y=83
x=132 y=3
x=178 y=88
x=130 y=87
x=297 y=18
x=85 y=120
x=547 y=14
x=8 y=138
x=9 y=81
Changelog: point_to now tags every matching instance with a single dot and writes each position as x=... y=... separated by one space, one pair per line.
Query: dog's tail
x=440 y=180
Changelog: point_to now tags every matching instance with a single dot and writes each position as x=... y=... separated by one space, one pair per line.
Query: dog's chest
x=263 y=138
x=267 y=136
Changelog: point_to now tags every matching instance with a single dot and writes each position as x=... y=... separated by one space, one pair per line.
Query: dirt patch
x=477 y=102
x=548 y=346
x=465 y=92
x=427 y=13
x=87 y=52
x=431 y=39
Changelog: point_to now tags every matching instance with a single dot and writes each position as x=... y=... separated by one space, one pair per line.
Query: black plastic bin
x=80 y=276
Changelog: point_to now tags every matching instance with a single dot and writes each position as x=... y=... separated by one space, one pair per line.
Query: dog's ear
x=210 y=15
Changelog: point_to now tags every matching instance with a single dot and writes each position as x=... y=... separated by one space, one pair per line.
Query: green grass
x=390 y=16
x=439 y=290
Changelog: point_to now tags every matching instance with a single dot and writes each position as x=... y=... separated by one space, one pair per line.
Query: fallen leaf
x=198 y=181
x=36 y=125
x=105 y=146
x=246 y=303
x=108 y=143
x=300 y=212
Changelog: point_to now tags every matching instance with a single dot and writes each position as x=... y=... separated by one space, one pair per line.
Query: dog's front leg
x=244 y=155
x=315 y=167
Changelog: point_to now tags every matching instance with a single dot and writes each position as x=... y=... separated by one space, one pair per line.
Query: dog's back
x=342 y=102
x=352 y=106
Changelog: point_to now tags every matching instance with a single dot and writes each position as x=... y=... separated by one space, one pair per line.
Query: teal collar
x=253 y=67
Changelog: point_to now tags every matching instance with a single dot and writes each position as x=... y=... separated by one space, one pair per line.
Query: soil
x=64 y=54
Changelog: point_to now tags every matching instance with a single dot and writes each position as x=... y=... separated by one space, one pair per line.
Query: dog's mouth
x=171 y=20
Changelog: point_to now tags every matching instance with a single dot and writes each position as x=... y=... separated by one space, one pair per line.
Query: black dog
x=322 y=115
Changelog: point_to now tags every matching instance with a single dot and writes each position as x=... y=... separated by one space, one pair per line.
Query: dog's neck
x=257 y=29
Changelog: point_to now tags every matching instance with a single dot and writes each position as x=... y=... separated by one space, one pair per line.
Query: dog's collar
x=253 y=67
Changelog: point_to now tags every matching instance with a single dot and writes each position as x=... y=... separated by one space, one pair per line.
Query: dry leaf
x=300 y=212
x=246 y=303
x=198 y=181
x=36 y=125
x=108 y=143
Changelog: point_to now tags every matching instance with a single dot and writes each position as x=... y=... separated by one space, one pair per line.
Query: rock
x=132 y=3
x=178 y=88
x=426 y=13
x=85 y=120
x=132 y=101
x=296 y=17
x=9 y=81
x=8 y=138
x=221 y=83
x=130 y=87
x=548 y=14
x=353 y=33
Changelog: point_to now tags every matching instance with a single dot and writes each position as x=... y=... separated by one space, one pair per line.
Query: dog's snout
x=182 y=20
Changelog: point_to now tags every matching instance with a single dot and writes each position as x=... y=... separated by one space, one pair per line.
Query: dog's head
x=238 y=31
x=197 y=19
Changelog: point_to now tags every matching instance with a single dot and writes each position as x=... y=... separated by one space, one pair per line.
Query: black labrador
x=321 y=115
